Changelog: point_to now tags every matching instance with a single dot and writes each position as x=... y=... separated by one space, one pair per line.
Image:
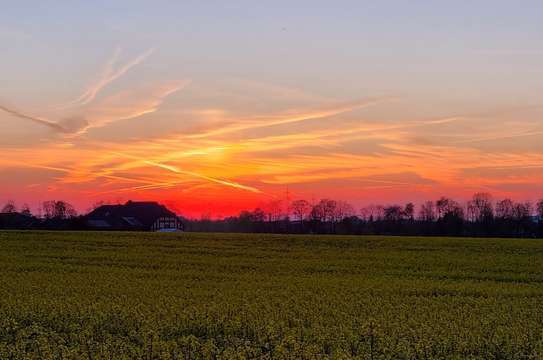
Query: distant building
x=137 y=216
x=17 y=221
x=536 y=219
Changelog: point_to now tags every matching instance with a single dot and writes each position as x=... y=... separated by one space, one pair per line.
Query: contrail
x=53 y=125
x=193 y=174
x=108 y=70
x=267 y=121
x=204 y=177
x=78 y=125
x=500 y=137
x=109 y=75
x=137 y=188
x=72 y=171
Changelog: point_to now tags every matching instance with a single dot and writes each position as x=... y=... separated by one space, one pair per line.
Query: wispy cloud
x=287 y=118
x=126 y=105
x=108 y=75
x=315 y=147
x=204 y=177
x=176 y=170
x=77 y=173
x=502 y=136
x=38 y=120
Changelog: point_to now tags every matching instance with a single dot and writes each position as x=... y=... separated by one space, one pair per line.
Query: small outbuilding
x=136 y=216
x=16 y=220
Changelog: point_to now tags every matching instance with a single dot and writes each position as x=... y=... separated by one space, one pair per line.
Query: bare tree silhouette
x=539 y=208
x=53 y=209
x=9 y=207
x=300 y=209
x=427 y=211
x=25 y=210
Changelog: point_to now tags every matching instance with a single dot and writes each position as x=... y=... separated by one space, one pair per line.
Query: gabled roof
x=136 y=215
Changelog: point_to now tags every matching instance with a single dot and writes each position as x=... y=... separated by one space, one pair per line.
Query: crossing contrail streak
x=176 y=170
x=109 y=75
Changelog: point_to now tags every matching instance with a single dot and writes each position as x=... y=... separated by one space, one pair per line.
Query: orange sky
x=232 y=162
x=215 y=119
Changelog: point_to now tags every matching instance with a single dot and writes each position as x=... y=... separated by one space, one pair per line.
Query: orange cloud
x=322 y=151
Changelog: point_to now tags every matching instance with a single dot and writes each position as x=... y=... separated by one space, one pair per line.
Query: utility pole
x=287 y=203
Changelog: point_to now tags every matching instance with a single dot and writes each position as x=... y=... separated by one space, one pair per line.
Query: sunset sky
x=216 y=106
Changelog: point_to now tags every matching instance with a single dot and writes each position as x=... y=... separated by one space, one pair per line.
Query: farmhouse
x=137 y=216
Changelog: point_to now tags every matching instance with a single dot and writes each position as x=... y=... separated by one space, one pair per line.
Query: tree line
x=480 y=216
x=51 y=215
x=52 y=209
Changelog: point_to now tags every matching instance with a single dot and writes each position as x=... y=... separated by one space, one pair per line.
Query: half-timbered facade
x=167 y=224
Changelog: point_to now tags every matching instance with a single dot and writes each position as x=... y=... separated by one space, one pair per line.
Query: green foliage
x=234 y=296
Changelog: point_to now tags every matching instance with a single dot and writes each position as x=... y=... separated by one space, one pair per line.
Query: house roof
x=131 y=215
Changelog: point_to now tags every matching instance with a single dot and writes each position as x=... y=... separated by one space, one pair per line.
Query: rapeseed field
x=85 y=295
